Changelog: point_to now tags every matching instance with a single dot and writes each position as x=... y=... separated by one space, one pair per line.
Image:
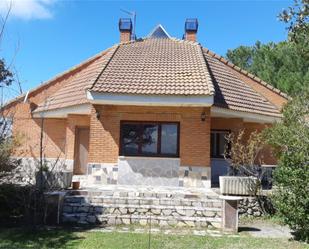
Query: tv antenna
x=132 y=14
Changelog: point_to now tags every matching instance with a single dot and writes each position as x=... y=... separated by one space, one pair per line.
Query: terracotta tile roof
x=232 y=92
x=163 y=67
x=74 y=88
x=156 y=67
x=233 y=66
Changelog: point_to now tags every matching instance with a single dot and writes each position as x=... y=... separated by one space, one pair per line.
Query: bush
x=12 y=203
x=290 y=139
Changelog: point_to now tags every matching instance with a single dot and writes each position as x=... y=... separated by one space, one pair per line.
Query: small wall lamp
x=97 y=113
x=203 y=116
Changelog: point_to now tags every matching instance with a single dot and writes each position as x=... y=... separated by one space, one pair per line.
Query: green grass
x=60 y=239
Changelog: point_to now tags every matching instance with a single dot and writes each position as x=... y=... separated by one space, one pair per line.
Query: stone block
x=123 y=210
x=189 y=212
x=126 y=221
x=131 y=210
x=67 y=209
x=98 y=210
x=116 y=211
x=156 y=202
x=196 y=204
x=166 y=212
x=165 y=202
x=133 y=201
x=190 y=223
x=163 y=223
x=91 y=219
x=181 y=211
x=83 y=209
x=145 y=202
x=209 y=213
x=156 y=211
x=172 y=222
x=111 y=221
x=154 y=222
x=143 y=222
x=181 y=224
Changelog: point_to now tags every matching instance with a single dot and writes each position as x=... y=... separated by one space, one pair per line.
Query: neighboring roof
x=233 y=93
x=159 y=32
x=156 y=67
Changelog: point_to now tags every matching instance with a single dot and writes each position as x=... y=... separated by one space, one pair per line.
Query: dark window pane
x=218 y=143
x=130 y=139
x=150 y=139
x=222 y=144
x=169 y=133
x=213 y=145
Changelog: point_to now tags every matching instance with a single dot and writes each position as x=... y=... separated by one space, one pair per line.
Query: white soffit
x=84 y=109
x=149 y=100
x=246 y=116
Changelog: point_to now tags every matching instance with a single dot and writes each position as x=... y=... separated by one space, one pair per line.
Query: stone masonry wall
x=255 y=207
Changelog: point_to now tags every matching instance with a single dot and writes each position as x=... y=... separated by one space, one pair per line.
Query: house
x=150 y=111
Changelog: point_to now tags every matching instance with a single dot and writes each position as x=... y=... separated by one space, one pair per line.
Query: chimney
x=191 y=27
x=125 y=28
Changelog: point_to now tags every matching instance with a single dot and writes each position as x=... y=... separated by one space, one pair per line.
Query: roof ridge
x=208 y=77
x=185 y=41
x=244 y=72
x=58 y=76
x=106 y=65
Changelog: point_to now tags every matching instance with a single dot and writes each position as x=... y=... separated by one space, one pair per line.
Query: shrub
x=243 y=152
x=290 y=139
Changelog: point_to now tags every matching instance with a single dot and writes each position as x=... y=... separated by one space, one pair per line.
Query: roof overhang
x=149 y=100
x=84 y=109
x=246 y=116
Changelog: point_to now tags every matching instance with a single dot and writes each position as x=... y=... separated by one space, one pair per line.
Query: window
x=149 y=139
x=218 y=143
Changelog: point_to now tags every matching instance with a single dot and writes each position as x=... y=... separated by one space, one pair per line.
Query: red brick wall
x=125 y=36
x=194 y=133
x=29 y=130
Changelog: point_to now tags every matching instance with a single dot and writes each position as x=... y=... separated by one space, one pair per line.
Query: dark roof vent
x=191 y=25
x=125 y=24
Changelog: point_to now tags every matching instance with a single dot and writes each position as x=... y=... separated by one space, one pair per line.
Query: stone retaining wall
x=255 y=206
x=162 y=209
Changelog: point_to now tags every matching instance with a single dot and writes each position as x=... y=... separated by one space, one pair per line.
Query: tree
x=297 y=18
x=290 y=139
x=283 y=65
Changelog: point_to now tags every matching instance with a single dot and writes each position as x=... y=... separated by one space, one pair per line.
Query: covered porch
x=155 y=146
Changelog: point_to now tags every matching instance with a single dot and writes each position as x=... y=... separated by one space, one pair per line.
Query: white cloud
x=28 y=9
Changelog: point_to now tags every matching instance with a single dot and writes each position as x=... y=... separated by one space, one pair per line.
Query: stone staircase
x=162 y=207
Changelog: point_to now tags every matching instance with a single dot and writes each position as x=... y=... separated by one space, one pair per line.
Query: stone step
x=144 y=201
x=165 y=194
x=142 y=206
x=141 y=209
x=112 y=219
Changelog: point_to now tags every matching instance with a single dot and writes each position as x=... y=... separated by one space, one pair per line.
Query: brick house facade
x=177 y=99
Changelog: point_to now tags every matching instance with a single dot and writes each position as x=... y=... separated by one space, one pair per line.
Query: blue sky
x=51 y=36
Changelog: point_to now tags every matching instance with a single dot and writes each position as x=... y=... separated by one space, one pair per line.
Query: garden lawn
x=21 y=238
